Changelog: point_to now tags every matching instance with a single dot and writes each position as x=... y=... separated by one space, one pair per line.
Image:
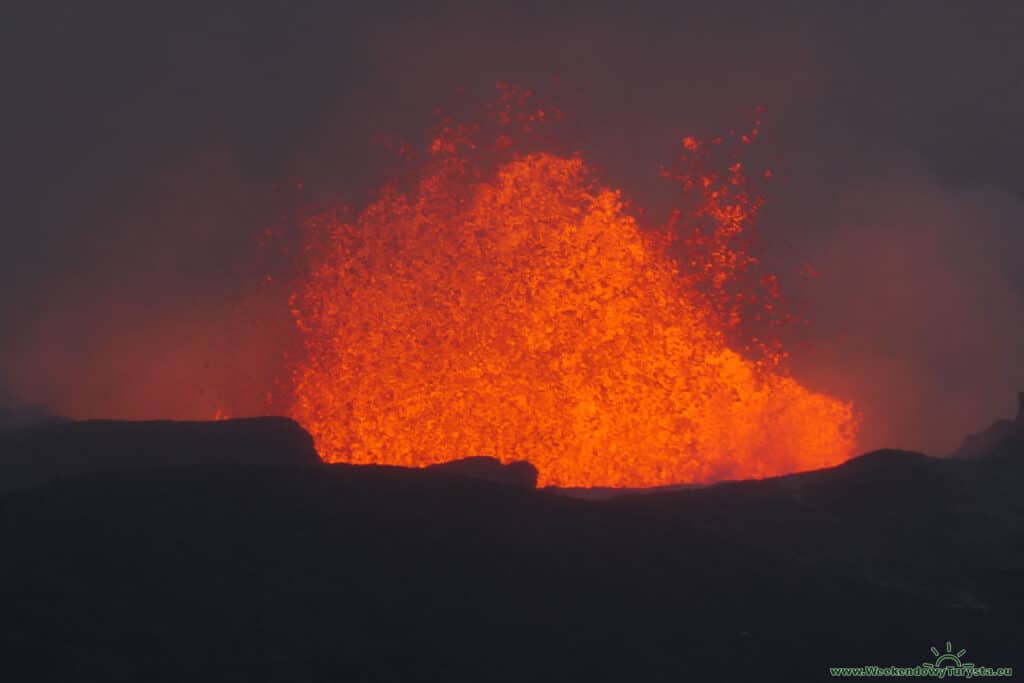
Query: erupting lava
x=520 y=311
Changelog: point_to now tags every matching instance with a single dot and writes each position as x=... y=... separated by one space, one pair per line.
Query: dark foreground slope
x=225 y=572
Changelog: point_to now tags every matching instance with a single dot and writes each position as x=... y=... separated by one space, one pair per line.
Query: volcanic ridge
x=221 y=551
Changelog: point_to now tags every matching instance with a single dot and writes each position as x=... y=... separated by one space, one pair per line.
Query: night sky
x=142 y=146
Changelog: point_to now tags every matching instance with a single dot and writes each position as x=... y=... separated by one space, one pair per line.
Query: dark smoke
x=918 y=314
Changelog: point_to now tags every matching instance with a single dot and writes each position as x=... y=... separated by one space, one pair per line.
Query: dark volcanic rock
x=999 y=437
x=32 y=455
x=373 y=573
x=520 y=473
x=14 y=417
x=356 y=573
x=989 y=440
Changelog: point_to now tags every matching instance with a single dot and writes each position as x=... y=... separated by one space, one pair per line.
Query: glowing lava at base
x=527 y=316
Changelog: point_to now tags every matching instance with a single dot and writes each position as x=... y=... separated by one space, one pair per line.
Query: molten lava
x=523 y=313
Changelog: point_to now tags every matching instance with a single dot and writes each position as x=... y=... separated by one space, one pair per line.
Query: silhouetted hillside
x=276 y=572
x=520 y=473
x=35 y=454
x=988 y=440
x=1000 y=435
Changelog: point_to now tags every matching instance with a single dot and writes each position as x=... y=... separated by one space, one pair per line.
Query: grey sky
x=142 y=144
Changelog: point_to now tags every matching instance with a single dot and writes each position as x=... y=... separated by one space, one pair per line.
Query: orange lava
x=523 y=313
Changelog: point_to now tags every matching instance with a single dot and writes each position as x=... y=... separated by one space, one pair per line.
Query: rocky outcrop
x=36 y=454
x=520 y=474
x=988 y=440
x=995 y=438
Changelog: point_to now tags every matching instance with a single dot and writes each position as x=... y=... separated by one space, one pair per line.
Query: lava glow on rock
x=520 y=311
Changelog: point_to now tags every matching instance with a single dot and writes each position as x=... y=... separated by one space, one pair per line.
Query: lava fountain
x=508 y=304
